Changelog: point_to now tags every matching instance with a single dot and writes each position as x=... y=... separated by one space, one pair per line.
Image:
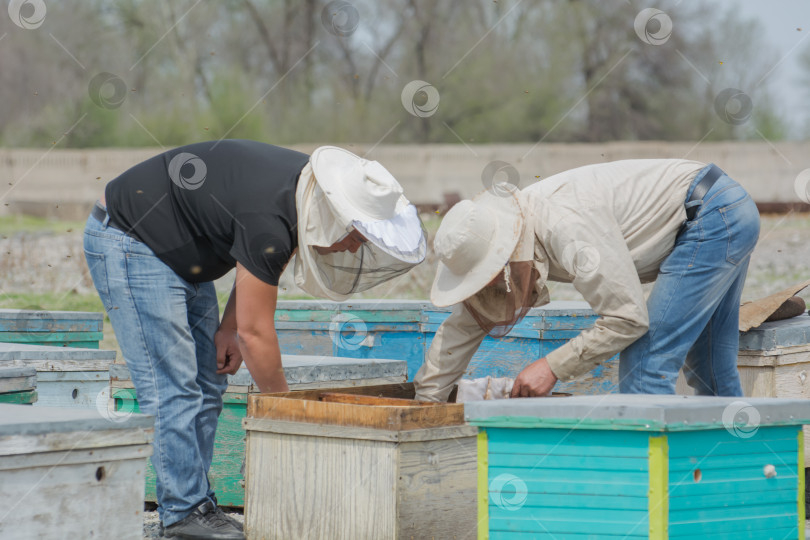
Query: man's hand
x=229 y=357
x=535 y=380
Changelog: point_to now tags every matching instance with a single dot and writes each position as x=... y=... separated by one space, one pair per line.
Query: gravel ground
x=54 y=263
x=151 y=523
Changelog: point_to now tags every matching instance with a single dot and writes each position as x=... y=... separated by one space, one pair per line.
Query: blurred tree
x=311 y=70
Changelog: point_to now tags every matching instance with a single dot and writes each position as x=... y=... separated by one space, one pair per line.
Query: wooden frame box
x=69 y=473
x=302 y=372
x=343 y=465
x=66 y=376
x=640 y=466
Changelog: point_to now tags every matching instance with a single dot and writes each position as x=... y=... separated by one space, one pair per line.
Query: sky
x=780 y=20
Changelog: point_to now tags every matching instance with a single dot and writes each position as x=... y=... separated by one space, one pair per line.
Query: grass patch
x=18 y=223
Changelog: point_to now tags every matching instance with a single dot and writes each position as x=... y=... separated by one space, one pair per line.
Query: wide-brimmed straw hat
x=474 y=242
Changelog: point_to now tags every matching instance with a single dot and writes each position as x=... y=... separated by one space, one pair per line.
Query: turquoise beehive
x=640 y=466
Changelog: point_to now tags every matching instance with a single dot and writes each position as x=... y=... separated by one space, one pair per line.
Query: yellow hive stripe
x=658 y=498
x=483 y=485
x=800 y=474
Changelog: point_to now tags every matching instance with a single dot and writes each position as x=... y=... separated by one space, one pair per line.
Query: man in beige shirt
x=605 y=228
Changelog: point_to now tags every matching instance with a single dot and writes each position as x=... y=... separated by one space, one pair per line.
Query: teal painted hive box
x=18 y=385
x=640 y=466
x=404 y=330
x=363 y=329
x=66 y=376
x=302 y=372
x=54 y=328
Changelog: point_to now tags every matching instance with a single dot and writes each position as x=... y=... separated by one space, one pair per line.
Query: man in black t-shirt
x=167 y=227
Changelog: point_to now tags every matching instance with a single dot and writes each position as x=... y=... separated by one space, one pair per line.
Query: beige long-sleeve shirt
x=605 y=228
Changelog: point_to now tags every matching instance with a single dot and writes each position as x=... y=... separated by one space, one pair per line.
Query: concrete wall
x=63 y=183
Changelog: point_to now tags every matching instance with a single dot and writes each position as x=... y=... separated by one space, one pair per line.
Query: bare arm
x=254 y=309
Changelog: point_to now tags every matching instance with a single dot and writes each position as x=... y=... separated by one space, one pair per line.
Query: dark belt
x=99 y=212
x=702 y=189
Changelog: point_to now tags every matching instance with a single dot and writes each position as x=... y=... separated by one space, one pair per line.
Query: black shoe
x=204 y=523
x=225 y=515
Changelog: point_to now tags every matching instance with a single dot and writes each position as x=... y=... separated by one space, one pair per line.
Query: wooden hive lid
x=387 y=407
x=773 y=335
x=304 y=369
x=47 y=358
x=25 y=429
x=639 y=412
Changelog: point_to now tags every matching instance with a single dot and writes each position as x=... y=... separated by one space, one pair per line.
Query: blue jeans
x=165 y=327
x=695 y=303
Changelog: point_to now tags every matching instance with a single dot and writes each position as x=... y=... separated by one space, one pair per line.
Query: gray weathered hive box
x=66 y=376
x=71 y=473
x=18 y=385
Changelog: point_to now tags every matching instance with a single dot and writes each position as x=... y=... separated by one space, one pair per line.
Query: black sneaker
x=204 y=523
x=227 y=516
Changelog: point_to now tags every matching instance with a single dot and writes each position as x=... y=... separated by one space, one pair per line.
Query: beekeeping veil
x=337 y=193
x=486 y=256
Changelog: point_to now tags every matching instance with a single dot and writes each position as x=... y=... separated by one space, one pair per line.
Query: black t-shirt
x=205 y=206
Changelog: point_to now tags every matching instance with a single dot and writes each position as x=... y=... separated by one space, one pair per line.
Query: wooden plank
x=400 y=390
x=307 y=488
x=356 y=399
x=17 y=379
x=20 y=398
x=48 y=337
x=102 y=499
x=437 y=488
x=383 y=417
x=353 y=432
